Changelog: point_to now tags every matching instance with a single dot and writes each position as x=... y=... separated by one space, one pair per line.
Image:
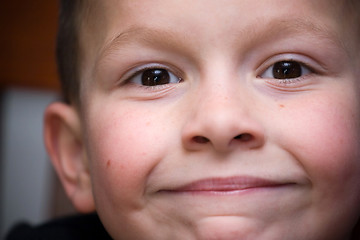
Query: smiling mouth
x=228 y=185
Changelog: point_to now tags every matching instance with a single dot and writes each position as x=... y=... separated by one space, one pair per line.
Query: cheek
x=324 y=138
x=124 y=150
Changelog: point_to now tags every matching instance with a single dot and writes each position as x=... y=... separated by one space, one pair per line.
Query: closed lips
x=229 y=184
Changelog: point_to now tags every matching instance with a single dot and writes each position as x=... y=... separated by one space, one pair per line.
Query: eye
x=154 y=77
x=286 y=70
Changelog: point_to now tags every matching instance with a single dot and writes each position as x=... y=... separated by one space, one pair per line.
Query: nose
x=223 y=120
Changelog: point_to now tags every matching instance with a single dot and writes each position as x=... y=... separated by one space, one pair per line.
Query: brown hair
x=67 y=49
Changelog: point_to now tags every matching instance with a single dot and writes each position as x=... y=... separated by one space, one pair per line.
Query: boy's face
x=222 y=119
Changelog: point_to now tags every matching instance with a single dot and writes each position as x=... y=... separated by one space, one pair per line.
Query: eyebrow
x=296 y=26
x=253 y=35
x=145 y=36
x=280 y=28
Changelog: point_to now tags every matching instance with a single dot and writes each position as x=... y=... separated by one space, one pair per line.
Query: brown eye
x=153 y=77
x=287 y=69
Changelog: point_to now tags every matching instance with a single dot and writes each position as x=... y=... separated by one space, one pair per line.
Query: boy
x=210 y=119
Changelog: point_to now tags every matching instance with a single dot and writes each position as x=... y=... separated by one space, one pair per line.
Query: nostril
x=244 y=137
x=200 y=139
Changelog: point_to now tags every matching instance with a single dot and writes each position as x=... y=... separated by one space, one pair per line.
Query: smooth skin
x=220 y=148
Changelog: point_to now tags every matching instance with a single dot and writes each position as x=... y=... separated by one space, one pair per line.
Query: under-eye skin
x=154 y=76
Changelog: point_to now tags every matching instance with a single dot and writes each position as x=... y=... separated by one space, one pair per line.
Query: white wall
x=26 y=174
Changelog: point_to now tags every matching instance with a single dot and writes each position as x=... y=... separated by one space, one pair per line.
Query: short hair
x=68 y=48
x=352 y=10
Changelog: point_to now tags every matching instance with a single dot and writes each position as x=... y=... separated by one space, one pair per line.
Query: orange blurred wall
x=27 y=44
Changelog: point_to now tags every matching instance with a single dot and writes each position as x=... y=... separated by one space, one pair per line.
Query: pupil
x=153 y=77
x=287 y=69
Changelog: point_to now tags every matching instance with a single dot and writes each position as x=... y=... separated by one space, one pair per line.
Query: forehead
x=106 y=19
x=187 y=20
x=204 y=14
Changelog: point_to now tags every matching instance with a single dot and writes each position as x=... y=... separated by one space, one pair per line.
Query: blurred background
x=29 y=189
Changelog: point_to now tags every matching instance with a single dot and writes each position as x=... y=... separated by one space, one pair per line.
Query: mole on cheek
x=108 y=163
x=281 y=106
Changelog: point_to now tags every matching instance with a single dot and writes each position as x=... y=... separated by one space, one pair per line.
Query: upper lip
x=229 y=184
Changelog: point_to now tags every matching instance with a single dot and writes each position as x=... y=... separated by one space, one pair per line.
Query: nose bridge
x=222 y=108
x=218 y=101
x=220 y=89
